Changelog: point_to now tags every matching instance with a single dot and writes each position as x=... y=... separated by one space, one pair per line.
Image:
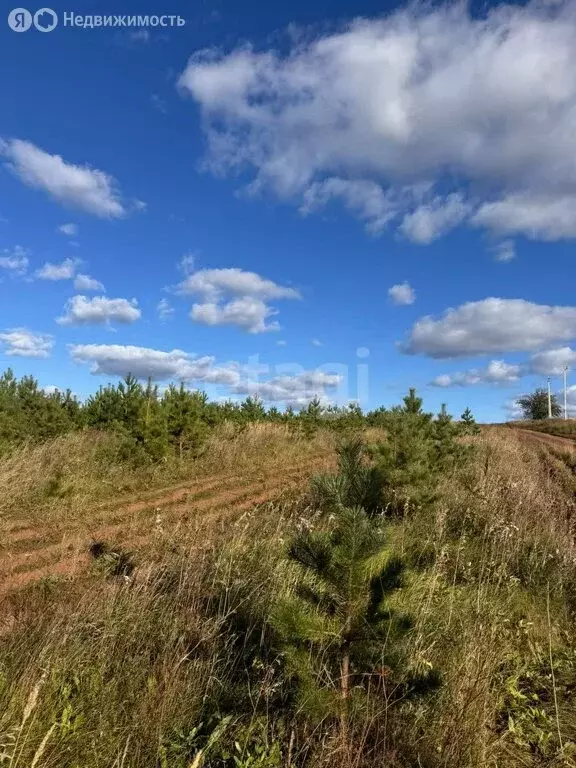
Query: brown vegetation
x=146 y=661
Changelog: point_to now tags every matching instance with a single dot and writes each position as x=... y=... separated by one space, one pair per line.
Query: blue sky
x=294 y=182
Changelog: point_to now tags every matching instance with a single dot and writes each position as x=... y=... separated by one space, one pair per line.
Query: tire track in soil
x=24 y=529
x=21 y=544
x=79 y=560
x=188 y=494
x=20 y=531
x=224 y=511
x=74 y=558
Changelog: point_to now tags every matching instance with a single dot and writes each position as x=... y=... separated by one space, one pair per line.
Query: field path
x=562 y=443
x=29 y=553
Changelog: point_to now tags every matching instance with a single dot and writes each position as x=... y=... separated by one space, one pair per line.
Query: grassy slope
x=101 y=672
x=558 y=427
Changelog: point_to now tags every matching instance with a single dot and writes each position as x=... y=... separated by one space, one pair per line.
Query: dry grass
x=61 y=481
x=107 y=672
x=76 y=494
x=96 y=670
x=559 y=427
x=501 y=543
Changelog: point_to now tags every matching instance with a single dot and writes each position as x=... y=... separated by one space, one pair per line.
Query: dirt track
x=28 y=554
x=563 y=443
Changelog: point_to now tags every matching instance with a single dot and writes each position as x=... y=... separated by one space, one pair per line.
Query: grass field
x=559 y=427
x=57 y=498
x=139 y=658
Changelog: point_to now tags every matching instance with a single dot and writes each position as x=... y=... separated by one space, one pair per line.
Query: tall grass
x=559 y=427
x=61 y=480
x=173 y=667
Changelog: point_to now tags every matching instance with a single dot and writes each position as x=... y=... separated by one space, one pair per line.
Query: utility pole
x=565 y=393
x=549 y=399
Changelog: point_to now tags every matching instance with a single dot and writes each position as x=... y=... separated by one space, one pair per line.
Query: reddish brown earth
x=29 y=553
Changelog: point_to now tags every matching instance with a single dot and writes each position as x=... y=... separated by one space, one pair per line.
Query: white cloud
x=159 y=103
x=504 y=251
x=296 y=390
x=403 y=293
x=491 y=326
x=78 y=186
x=80 y=310
x=496 y=372
x=281 y=343
x=187 y=262
x=63 y=271
x=548 y=363
x=363 y=197
x=479 y=107
x=433 y=219
x=164 y=309
x=19 y=342
x=552 y=361
x=235 y=297
x=316 y=343
x=247 y=312
x=15 y=260
x=214 y=283
x=538 y=216
x=570 y=400
x=513 y=410
x=71 y=230
x=142 y=362
x=140 y=36
x=87 y=283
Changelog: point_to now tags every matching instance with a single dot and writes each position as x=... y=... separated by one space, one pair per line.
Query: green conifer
x=342 y=638
x=185 y=415
x=311 y=418
x=468 y=424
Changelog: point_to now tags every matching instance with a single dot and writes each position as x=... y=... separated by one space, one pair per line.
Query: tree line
x=176 y=421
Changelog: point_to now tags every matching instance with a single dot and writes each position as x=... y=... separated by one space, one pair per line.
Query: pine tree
x=252 y=409
x=412 y=404
x=103 y=410
x=311 y=417
x=133 y=402
x=406 y=456
x=378 y=417
x=184 y=410
x=468 y=424
x=135 y=414
x=448 y=452
x=28 y=413
x=342 y=638
x=273 y=414
x=356 y=483
x=152 y=428
x=416 y=453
